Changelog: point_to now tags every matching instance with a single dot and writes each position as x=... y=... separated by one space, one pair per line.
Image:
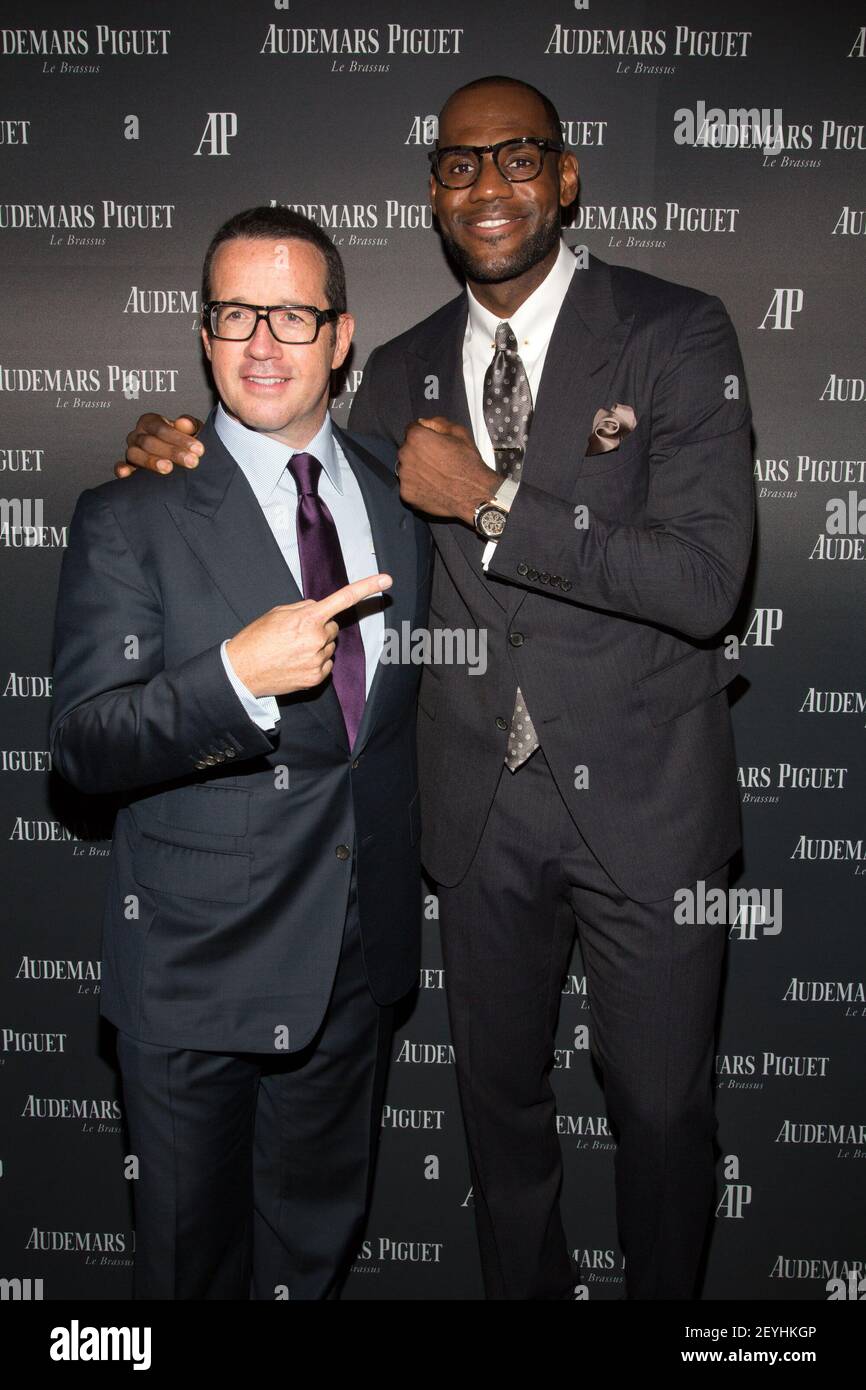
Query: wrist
x=241 y=667
x=476 y=500
x=481 y=490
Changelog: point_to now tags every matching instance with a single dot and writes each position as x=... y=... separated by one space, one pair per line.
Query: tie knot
x=305 y=470
x=505 y=339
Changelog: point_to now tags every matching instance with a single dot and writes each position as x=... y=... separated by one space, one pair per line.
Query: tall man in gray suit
x=218 y=638
x=588 y=480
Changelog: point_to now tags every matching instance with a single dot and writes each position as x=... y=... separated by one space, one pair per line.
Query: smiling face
x=280 y=389
x=498 y=231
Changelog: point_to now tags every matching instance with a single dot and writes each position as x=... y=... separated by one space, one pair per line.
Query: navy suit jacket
x=229 y=877
x=609 y=591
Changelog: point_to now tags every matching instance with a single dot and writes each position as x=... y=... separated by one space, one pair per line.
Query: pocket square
x=609 y=428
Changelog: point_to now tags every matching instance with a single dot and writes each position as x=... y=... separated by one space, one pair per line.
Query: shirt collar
x=263 y=460
x=533 y=322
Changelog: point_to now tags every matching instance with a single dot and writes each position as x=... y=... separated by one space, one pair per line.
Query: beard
x=492 y=270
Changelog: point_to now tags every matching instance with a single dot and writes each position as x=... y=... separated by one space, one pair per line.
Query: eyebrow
x=524 y=134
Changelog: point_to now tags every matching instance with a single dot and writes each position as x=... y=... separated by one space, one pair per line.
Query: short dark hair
x=266 y=223
x=498 y=80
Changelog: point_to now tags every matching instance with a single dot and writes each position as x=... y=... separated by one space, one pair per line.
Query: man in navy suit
x=218 y=637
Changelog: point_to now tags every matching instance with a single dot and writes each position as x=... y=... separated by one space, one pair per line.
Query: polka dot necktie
x=508 y=414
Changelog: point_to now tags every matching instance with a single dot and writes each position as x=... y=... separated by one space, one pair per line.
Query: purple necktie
x=323 y=571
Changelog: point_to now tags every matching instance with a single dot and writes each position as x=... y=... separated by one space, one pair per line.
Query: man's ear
x=344 y=330
x=205 y=339
x=569 y=179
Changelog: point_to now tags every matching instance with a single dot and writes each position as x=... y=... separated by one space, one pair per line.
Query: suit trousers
x=652 y=985
x=255 y=1170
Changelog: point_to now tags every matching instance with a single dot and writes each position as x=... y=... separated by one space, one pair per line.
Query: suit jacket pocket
x=209 y=875
x=214 y=810
x=677 y=688
x=631 y=447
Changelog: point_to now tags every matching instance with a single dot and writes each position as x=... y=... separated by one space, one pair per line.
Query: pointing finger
x=351 y=594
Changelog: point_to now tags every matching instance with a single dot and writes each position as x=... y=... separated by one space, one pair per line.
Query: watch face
x=491 y=521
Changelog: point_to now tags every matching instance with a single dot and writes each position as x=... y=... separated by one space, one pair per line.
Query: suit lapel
x=224 y=525
x=585 y=347
x=392 y=526
x=445 y=356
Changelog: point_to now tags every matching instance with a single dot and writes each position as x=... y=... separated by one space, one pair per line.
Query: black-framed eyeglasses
x=289 y=323
x=518 y=161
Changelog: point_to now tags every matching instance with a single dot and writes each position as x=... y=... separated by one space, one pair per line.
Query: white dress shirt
x=264 y=463
x=532 y=325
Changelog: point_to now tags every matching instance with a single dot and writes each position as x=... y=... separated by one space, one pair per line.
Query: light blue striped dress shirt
x=264 y=463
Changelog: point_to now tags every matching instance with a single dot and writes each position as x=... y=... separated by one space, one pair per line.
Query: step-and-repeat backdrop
x=721 y=145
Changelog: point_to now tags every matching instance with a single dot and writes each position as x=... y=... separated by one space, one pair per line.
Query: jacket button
x=544 y=577
x=532 y=574
x=356 y=762
x=501 y=723
x=230 y=752
x=199 y=765
x=343 y=851
x=522 y=568
x=516 y=639
x=209 y=760
x=566 y=585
